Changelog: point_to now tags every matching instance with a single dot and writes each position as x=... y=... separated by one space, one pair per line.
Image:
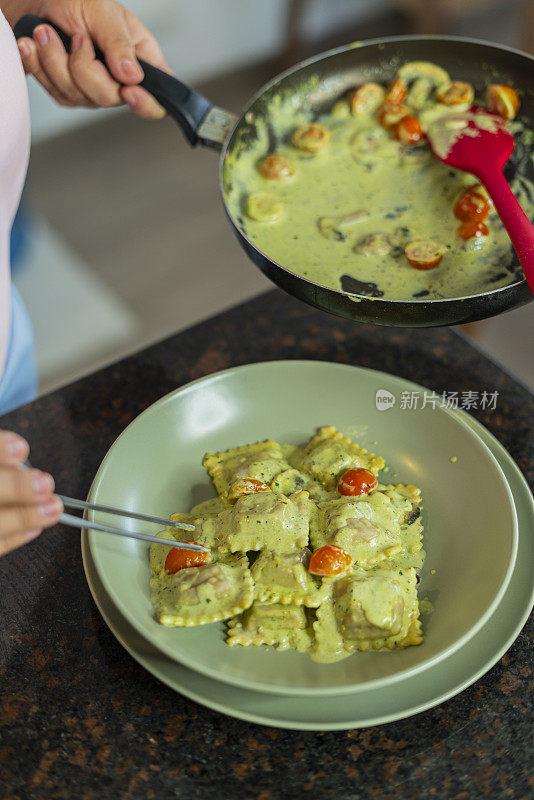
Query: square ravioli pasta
x=260 y=521
x=199 y=595
x=293 y=480
x=370 y=527
x=260 y=461
x=329 y=454
x=274 y=624
x=408 y=497
x=284 y=578
x=276 y=504
x=368 y=610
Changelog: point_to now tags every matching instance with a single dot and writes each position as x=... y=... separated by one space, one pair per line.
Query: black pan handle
x=188 y=107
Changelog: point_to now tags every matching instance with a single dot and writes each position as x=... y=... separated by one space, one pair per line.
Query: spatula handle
x=187 y=106
x=516 y=222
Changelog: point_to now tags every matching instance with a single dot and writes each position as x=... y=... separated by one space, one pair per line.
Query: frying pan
x=313 y=87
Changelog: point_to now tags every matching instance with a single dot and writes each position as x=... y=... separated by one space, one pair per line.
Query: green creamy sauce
x=272 y=597
x=404 y=193
x=373 y=607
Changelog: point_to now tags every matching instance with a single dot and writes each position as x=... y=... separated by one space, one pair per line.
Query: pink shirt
x=14 y=154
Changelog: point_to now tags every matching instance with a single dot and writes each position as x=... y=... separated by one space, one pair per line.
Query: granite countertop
x=80 y=718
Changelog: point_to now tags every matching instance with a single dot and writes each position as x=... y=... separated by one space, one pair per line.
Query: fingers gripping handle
x=188 y=107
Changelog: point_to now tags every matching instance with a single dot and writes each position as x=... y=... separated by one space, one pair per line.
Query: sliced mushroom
x=263 y=207
x=375 y=244
x=340 y=110
x=412 y=515
x=416 y=155
x=399 y=239
x=476 y=243
x=413 y=70
x=419 y=94
x=375 y=146
x=337 y=228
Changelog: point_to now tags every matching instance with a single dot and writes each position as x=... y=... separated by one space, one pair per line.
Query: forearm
x=13 y=10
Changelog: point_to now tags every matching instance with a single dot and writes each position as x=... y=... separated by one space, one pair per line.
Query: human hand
x=27 y=502
x=76 y=79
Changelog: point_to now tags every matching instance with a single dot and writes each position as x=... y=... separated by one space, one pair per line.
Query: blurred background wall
x=212 y=37
x=122 y=238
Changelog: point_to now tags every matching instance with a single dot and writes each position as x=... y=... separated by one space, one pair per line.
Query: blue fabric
x=18 y=384
x=20 y=235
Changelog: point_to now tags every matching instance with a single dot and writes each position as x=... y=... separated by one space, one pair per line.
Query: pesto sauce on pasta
x=261 y=542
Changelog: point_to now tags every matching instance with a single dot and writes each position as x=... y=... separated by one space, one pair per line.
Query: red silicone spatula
x=478 y=142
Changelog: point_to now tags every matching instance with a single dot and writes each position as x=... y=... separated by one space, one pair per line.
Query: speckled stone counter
x=79 y=718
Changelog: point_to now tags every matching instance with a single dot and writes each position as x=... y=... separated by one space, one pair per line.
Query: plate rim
x=255 y=718
x=169 y=651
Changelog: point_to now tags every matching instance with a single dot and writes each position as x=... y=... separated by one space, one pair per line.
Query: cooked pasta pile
x=308 y=550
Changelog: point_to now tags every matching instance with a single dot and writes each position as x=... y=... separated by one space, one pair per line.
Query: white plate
x=377 y=706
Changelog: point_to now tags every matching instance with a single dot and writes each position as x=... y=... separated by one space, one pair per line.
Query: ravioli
x=408 y=500
x=329 y=454
x=261 y=461
x=275 y=504
x=375 y=610
x=371 y=528
x=208 y=508
x=365 y=527
x=198 y=515
x=278 y=625
x=200 y=595
x=257 y=521
x=284 y=578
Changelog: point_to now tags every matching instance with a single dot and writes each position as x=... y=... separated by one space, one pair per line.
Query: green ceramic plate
x=469 y=516
x=357 y=709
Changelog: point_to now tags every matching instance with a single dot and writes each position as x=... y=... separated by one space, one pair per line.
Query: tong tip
x=183 y=525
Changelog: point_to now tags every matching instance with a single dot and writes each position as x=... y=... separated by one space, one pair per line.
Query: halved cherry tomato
x=503 y=100
x=471 y=228
x=408 y=130
x=455 y=93
x=246 y=486
x=182 y=559
x=390 y=114
x=472 y=204
x=277 y=168
x=424 y=253
x=329 y=560
x=396 y=91
x=357 y=481
x=311 y=138
x=366 y=98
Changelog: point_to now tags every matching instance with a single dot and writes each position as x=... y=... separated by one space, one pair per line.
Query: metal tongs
x=79 y=522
